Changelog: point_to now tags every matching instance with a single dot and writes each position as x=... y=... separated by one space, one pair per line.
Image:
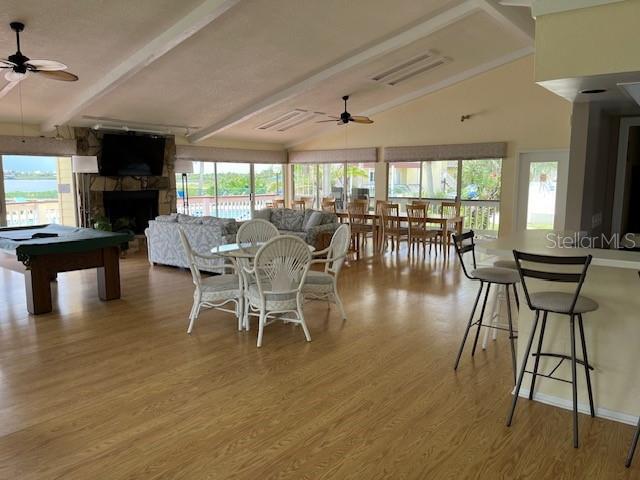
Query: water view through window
x=37 y=190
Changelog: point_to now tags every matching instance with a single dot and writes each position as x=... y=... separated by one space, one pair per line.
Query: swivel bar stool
x=572 y=305
x=487 y=276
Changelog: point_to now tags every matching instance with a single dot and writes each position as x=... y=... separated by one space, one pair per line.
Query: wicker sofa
x=310 y=225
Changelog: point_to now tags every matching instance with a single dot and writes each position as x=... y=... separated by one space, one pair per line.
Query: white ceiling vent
x=289 y=120
x=408 y=69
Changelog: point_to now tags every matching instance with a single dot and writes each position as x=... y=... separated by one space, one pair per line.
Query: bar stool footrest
x=550 y=376
x=495 y=327
x=562 y=357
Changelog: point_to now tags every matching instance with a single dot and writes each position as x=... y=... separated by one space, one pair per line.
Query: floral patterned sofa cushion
x=164 y=246
x=307 y=224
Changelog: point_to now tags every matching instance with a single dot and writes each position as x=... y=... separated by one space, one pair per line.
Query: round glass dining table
x=237 y=250
x=241 y=255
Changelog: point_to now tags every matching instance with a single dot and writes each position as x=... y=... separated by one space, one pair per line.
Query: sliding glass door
x=36 y=190
x=229 y=190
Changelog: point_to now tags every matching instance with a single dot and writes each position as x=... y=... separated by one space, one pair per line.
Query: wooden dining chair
x=299 y=204
x=278 y=202
x=419 y=231
x=392 y=228
x=448 y=209
x=308 y=202
x=420 y=203
x=328 y=204
x=359 y=224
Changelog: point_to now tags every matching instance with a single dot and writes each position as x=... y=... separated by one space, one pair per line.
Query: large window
x=404 y=180
x=227 y=190
x=37 y=190
x=475 y=182
x=439 y=179
x=306 y=181
x=268 y=184
x=361 y=180
x=481 y=179
x=342 y=181
x=331 y=181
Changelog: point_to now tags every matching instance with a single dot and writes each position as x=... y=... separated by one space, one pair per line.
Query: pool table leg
x=109 y=274
x=37 y=281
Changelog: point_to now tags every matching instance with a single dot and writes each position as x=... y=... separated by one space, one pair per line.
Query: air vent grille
x=408 y=69
x=290 y=120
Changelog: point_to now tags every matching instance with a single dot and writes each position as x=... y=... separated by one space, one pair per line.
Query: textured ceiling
x=89 y=36
x=252 y=51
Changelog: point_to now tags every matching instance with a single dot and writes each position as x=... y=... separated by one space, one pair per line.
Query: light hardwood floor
x=118 y=390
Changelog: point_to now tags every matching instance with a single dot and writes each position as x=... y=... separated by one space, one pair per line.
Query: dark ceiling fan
x=20 y=66
x=345 y=117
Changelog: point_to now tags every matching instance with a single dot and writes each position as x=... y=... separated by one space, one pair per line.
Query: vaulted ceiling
x=253 y=70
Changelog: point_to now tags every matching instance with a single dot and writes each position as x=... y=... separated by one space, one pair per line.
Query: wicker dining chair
x=324 y=285
x=255 y=231
x=215 y=291
x=278 y=274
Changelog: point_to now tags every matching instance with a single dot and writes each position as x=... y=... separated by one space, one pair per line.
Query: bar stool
x=500 y=295
x=572 y=305
x=486 y=276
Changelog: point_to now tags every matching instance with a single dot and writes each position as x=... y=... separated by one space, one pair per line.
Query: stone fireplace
x=138 y=206
x=147 y=196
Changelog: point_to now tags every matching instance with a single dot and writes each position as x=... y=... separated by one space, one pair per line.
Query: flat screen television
x=135 y=155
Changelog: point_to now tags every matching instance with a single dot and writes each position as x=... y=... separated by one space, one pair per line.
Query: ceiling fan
x=345 y=117
x=19 y=66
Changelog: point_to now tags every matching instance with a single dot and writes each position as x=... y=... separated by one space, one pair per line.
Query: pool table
x=42 y=251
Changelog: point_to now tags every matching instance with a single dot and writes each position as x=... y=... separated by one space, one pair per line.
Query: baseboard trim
x=582 y=407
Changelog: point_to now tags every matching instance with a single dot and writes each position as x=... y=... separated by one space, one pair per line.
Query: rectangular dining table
x=447 y=224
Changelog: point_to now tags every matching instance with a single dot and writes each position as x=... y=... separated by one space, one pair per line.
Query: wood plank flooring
x=118 y=390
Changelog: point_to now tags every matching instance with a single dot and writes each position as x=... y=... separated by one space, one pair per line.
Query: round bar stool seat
x=506 y=263
x=559 y=302
x=498 y=296
x=503 y=276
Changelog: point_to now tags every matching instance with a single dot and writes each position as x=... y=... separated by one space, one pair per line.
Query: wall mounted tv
x=135 y=155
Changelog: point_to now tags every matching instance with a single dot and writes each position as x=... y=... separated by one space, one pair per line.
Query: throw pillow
x=315 y=219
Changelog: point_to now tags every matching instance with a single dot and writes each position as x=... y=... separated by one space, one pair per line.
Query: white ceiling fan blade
x=46 y=65
x=7 y=88
x=4 y=63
